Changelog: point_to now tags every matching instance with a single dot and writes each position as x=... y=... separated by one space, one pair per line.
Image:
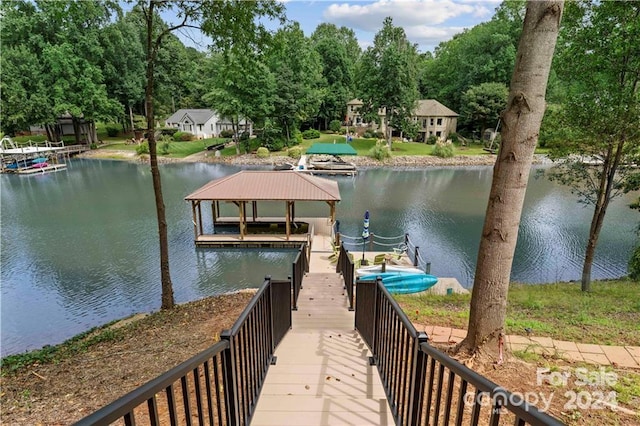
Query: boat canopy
x=332 y=149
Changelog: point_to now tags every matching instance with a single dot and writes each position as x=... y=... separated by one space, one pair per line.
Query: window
x=438 y=134
x=431 y=122
x=439 y=121
x=424 y=123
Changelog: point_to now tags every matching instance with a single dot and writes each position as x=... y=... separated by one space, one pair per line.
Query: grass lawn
x=609 y=315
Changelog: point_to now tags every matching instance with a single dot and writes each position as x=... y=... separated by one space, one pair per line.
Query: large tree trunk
x=165 y=276
x=521 y=124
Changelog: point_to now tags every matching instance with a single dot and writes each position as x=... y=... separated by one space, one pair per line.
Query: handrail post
x=415 y=256
x=230 y=383
x=419 y=370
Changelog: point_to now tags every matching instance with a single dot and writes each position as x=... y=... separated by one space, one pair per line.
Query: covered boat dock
x=246 y=190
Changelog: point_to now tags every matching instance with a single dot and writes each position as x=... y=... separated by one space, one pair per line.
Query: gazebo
x=246 y=189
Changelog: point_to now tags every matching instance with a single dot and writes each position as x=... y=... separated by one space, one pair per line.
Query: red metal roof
x=250 y=185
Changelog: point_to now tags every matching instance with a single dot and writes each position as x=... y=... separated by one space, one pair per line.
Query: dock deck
x=322 y=375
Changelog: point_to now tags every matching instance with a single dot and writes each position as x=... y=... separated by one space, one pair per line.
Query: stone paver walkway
x=618 y=356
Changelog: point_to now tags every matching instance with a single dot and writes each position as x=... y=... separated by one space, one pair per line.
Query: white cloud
x=426 y=22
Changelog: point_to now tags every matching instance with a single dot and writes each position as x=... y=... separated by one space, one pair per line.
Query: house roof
x=252 y=185
x=431 y=108
x=331 y=149
x=198 y=116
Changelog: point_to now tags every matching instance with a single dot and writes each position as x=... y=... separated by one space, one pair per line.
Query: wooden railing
x=423 y=385
x=221 y=384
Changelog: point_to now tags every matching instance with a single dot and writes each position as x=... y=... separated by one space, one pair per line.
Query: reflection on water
x=79 y=247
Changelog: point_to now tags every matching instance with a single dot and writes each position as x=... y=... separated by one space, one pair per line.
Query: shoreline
x=407 y=161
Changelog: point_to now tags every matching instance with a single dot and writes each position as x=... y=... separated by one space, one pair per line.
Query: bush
x=294 y=152
x=165 y=144
x=227 y=133
x=443 y=149
x=634 y=265
x=379 y=135
x=381 y=151
x=297 y=135
x=335 y=125
x=183 y=136
x=311 y=134
x=368 y=134
x=168 y=131
x=274 y=145
x=112 y=129
x=262 y=152
x=432 y=140
x=143 y=148
x=454 y=138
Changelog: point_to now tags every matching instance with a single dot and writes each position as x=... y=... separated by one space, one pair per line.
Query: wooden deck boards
x=322 y=375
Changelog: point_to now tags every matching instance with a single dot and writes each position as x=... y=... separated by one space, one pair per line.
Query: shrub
x=169 y=131
x=262 y=152
x=165 y=144
x=379 y=135
x=432 y=140
x=112 y=129
x=335 y=125
x=634 y=265
x=443 y=149
x=227 y=133
x=311 y=134
x=93 y=146
x=294 y=152
x=184 y=136
x=381 y=151
x=274 y=145
x=368 y=134
x=297 y=135
x=143 y=148
x=454 y=137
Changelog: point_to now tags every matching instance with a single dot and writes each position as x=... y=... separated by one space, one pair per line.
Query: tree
x=227 y=23
x=298 y=73
x=482 y=104
x=241 y=87
x=485 y=53
x=387 y=77
x=599 y=63
x=66 y=78
x=338 y=65
x=521 y=124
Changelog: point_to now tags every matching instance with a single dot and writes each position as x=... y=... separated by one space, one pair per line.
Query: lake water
x=80 y=247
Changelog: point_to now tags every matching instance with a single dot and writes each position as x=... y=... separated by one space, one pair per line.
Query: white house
x=204 y=123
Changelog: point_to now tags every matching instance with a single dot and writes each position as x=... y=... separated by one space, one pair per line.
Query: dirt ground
x=64 y=392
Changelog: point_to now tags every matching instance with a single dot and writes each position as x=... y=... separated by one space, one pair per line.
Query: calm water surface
x=80 y=248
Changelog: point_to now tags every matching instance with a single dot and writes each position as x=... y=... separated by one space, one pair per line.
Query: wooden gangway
x=322 y=375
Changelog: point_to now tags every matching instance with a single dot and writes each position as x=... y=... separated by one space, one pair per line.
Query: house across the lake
x=204 y=123
x=433 y=118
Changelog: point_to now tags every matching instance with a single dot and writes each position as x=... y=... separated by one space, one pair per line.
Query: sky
x=426 y=22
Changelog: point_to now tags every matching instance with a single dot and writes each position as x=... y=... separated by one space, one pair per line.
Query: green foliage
x=262 y=152
x=380 y=151
x=431 y=140
x=112 y=129
x=294 y=152
x=297 y=135
x=226 y=133
x=443 y=149
x=634 y=265
x=311 y=134
x=143 y=148
x=183 y=136
x=48 y=354
x=483 y=103
x=93 y=146
x=368 y=134
x=168 y=131
x=387 y=76
x=335 y=126
x=165 y=144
